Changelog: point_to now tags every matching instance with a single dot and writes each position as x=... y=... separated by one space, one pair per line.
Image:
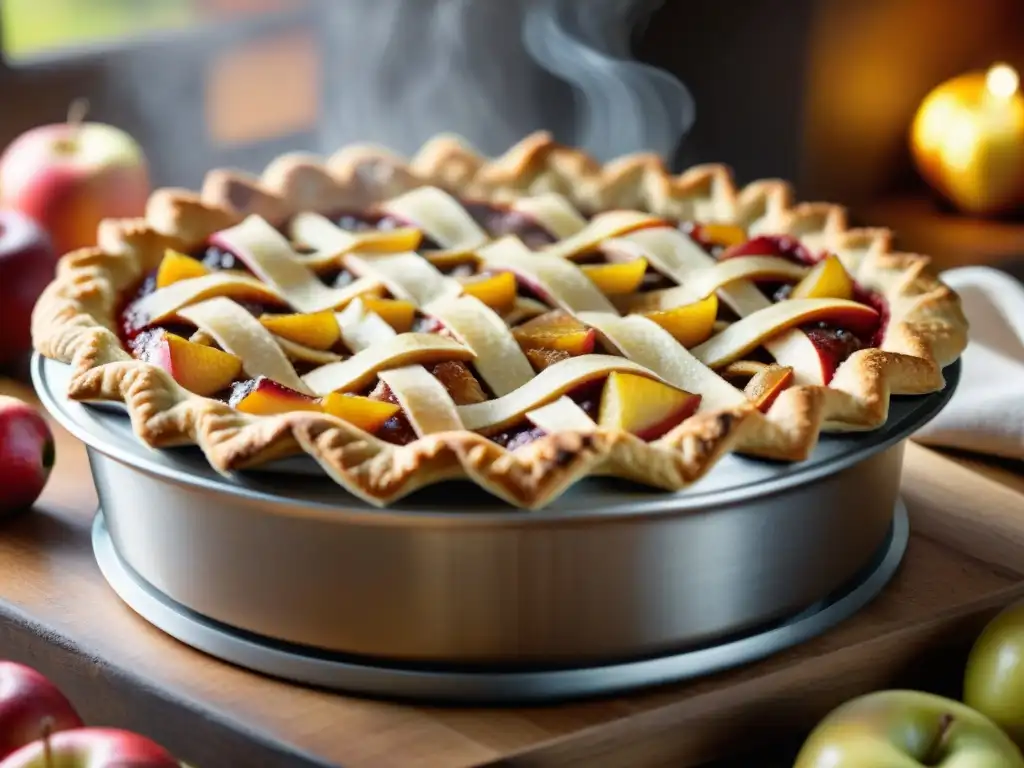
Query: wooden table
x=57 y=614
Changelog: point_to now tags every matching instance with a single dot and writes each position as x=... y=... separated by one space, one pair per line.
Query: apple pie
x=520 y=322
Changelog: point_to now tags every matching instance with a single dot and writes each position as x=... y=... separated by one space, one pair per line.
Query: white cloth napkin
x=986 y=414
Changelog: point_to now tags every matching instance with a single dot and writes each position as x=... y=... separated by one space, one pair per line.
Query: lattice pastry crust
x=75 y=320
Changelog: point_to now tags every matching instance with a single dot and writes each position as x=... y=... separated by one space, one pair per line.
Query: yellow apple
x=967 y=140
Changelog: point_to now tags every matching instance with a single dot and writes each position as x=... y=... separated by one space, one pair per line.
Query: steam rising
x=397 y=72
x=404 y=71
x=626 y=106
x=407 y=70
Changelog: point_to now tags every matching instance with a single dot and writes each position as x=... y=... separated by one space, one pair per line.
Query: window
x=43 y=28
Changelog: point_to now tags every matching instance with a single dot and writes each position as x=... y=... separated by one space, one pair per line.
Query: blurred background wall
x=818 y=91
x=823 y=91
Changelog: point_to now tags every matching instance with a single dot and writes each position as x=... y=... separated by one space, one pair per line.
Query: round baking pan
x=608 y=573
x=453 y=685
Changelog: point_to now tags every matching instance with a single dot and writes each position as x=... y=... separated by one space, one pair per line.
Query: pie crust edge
x=74 y=322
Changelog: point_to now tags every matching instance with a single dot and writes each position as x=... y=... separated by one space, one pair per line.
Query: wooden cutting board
x=965 y=560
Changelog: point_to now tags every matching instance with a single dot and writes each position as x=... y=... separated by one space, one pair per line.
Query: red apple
x=30 y=707
x=26 y=454
x=92 y=748
x=906 y=729
x=994 y=680
x=70 y=176
x=27 y=261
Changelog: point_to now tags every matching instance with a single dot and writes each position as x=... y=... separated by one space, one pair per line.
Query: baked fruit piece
x=520 y=322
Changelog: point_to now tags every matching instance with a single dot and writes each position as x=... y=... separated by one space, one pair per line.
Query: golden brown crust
x=74 y=322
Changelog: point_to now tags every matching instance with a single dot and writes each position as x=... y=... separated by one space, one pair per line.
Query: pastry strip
x=407 y=276
x=362 y=368
x=553 y=212
x=750 y=332
x=499 y=359
x=424 y=400
x=164 y=302
x=600 y=228
x=675 y=254
x=645 y=342
x=269 y=254
x=555 y=279
x=548 y=385
x=701 y=284
x=241 y=334
x=332 y=242
x=302 y=353
x=563 y=415
x=439 y=215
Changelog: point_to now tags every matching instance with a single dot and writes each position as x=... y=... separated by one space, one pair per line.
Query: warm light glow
x=960 y=144
x=967 y=140
x=938 y=112
x=1002 y=81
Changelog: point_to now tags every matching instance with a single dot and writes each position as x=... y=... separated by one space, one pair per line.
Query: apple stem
x=935 y=753
x=47 y=728
x=77 y=111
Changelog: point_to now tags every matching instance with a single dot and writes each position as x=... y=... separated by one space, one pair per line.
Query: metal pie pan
x=608 y=573
x=450 y=685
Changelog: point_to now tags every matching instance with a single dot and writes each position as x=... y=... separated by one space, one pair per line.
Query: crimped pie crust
x=74 y=322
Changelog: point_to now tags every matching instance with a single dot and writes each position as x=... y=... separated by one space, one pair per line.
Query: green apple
x=907 y=729
x=994 y=681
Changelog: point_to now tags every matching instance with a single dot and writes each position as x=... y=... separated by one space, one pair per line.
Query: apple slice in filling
x=828 y=279
x=176 y=266
x=762 y=382
x=396 y=313
x=718 y=235
x=815 y=352
x=643 y=406
x=318 y=330
x=265 y=397
x=766 y=385
x=552 y=337
x=690 y=324
x=368 y=414
x=201 y=369
x=616 y=279
x=462 y=386
x=496 y=291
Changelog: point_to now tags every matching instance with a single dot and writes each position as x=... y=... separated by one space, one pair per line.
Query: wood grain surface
x=965 y=560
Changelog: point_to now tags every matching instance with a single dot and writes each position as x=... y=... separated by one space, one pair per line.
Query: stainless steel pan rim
x=489 y=686
x=94 y=426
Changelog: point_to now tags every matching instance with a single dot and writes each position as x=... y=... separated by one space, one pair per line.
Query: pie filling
x=431 y=314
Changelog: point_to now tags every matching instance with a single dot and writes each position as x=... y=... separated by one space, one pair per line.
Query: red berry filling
x=587 y=397
x=834 y=344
